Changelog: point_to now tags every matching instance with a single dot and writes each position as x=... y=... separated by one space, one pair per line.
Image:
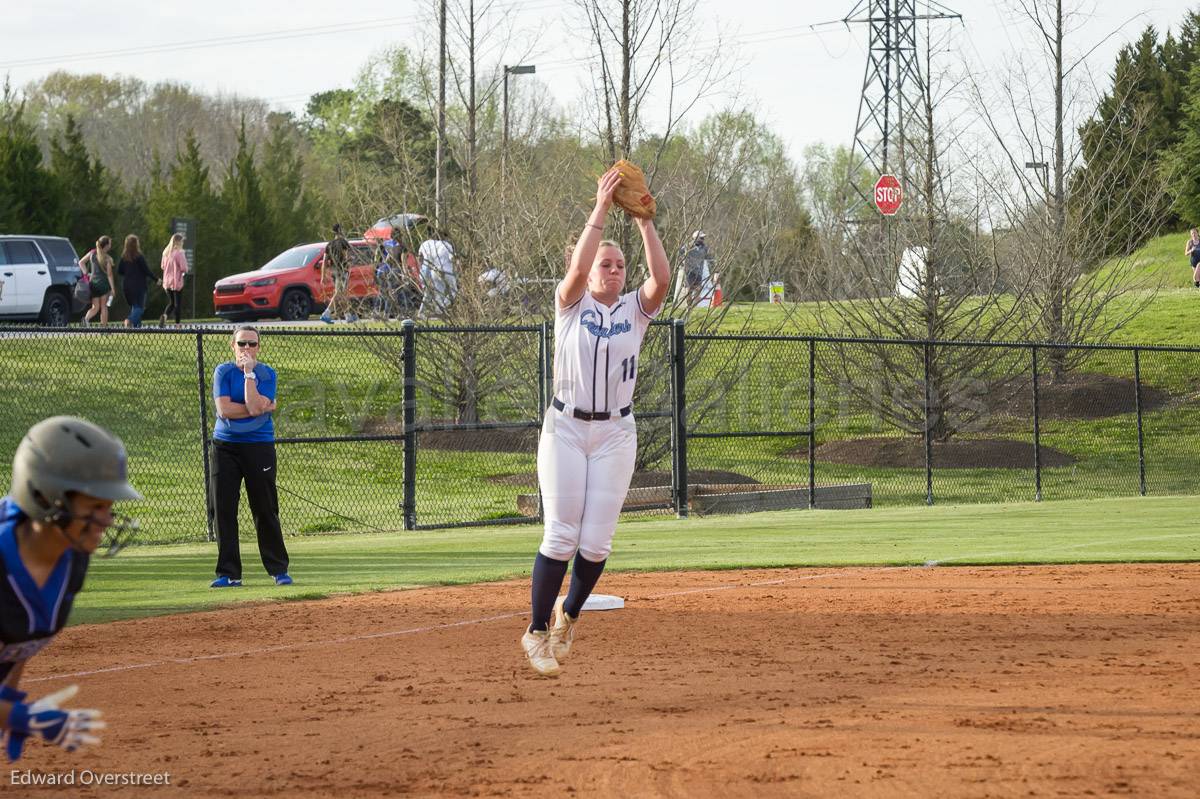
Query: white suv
x=37 y=274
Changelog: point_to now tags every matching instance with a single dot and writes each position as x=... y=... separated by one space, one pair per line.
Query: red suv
x=289 y=285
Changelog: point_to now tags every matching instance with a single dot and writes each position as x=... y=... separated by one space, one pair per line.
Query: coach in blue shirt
x=244 y=449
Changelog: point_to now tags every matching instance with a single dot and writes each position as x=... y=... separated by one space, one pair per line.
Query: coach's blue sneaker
x=225 y=582
x=351 y=318
x=326 y=318
x=283 y=579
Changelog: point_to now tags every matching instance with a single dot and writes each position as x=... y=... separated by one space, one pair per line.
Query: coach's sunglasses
x=247 y=343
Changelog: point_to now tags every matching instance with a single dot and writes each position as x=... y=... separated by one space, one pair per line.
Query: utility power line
x=249 y=38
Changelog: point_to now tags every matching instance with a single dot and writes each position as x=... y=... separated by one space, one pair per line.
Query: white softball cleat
x=541 y=655
x=562 y=631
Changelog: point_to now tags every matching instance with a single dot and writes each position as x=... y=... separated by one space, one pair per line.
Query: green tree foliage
x=292 y=208
x=30 y=198
x=1179 y=55
x=1143 y=118
x=247 y=217
x=87 y=187
x=1182 y=161
x=1131 y=127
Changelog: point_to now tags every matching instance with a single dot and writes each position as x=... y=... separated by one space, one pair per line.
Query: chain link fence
x=910 y=422
x=386 y=429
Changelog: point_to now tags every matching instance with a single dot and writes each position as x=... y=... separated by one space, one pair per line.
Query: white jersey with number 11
x=596 y=351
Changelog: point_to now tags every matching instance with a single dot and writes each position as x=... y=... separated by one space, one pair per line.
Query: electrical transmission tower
x=893 y=87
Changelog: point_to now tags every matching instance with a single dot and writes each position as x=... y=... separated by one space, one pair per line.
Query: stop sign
x=888 y=195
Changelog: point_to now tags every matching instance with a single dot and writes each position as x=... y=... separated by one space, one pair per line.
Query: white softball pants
x=584 y=469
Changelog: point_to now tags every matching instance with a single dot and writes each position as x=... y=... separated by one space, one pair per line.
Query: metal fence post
x=410 y=424
x=208 y=497
x=542 y=367
x=1037 y=431
x=543 y=372
x=928 y=432
x=812 y=424
x=548 y=363
x=679 y=470
x=1137 y=398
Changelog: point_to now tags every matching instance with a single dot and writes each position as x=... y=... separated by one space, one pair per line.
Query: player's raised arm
x=654 y=290
x=571 y=289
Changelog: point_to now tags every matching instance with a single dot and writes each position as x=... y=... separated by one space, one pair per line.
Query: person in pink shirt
x=174 y=267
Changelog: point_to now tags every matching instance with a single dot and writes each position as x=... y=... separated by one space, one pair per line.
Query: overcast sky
x=804 y=82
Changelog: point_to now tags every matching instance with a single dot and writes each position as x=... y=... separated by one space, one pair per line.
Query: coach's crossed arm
x=228 y=409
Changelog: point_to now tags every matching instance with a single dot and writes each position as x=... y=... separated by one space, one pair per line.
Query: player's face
x=92 y=517
x=608 y=271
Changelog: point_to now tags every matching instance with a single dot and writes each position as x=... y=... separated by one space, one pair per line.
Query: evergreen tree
x=291 y=206
x=249 y=225
x=1183 y=159
x=1179 y=56
x=30 y=198
x=1131 y=127
x=87 y=186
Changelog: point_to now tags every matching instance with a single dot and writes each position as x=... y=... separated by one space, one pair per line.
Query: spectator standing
x=697 y=261
x=1193 y=252
x=436 y=257
x=97 y=268
x=386 y=277
x=244 y=450
x=136 y=278
x=336 y=263
x=174 y=266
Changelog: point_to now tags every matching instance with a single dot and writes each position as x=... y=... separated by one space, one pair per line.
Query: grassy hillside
x=1159 y=270
x=1159 y=263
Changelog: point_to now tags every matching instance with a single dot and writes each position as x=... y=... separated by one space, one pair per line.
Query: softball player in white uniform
x=589 y=440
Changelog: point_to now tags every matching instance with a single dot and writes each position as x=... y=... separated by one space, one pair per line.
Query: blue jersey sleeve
x=221 y=387
x=266 y=381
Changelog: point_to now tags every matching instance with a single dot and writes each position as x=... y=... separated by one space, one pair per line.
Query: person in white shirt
x=437 y=274
x=588 y=444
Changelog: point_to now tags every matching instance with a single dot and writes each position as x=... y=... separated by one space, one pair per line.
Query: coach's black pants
x=254 y=463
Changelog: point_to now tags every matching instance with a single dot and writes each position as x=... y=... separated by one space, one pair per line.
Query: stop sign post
x=888 y=195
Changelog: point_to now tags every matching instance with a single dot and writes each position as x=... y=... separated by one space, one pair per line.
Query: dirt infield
x=962 y=682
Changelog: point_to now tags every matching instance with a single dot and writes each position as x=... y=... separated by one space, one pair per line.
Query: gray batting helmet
x=63 y=454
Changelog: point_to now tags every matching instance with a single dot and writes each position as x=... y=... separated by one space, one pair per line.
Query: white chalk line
x=505 y=616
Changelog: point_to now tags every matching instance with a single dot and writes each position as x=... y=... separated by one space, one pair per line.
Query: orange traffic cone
x=717 y=296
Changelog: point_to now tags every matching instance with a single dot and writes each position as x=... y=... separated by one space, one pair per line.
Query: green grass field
x=156 y=580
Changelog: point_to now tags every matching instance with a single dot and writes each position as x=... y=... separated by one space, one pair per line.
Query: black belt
x=599 y=416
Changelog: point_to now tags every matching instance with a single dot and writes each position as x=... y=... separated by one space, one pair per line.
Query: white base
x=603 y=602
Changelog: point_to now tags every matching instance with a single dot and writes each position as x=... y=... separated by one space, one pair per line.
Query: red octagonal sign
x=888 y=195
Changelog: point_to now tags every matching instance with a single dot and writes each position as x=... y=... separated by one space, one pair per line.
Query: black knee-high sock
x=584 y=575
x=548 y=575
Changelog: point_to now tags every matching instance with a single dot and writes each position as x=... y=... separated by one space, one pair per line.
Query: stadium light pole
x=521 y=69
